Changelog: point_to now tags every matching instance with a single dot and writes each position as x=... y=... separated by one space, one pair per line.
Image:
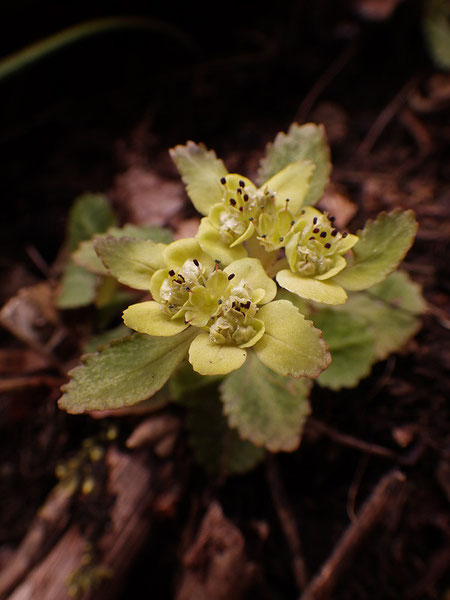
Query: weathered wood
x=131 y=482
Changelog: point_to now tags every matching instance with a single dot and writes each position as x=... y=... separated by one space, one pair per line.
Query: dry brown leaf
x=147 y=198
x=216 y=567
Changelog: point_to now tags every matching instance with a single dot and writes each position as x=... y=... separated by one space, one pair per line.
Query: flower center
x=233 y=324
x=176 y=288
x=317 y=244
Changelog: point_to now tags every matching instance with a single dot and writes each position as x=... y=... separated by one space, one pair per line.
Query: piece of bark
x=131 y=483
x=215 y=566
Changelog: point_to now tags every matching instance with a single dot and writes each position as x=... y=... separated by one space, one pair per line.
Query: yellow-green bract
x=233 y=311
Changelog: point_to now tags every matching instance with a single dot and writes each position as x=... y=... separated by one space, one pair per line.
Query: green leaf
x=86 y=256
x=78 y=287
x=307 y=142
x=201 y=172
x=90 y=214
x=291 y=345
x=186 y=383
x=266 y=408
x=382 y=246
x=124 y=373
x=131 y=261
x=106 y=337
x=390 y=311
x=217 y=447
x=436 y=27
x=351 y=345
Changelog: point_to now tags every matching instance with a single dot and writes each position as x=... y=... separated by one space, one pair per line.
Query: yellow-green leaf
x=291 y=345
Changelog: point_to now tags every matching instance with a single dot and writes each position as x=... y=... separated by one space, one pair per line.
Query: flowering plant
x=248 y=298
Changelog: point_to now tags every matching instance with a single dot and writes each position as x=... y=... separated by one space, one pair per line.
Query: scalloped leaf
x=217 y=447
x=201 y=172
x=266 y=408
x=77 y=287
x=307 y=142
x=131 y=261
x=86 y=256
x=123 y=373
x=390 y=311
x=89 y=214
x=382 y=245
x=351 y=345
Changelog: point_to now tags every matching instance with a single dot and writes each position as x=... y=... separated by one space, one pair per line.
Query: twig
x=324 y=81
x=384 y=496
x=386 y=115
x=287 y=521
x=348 y=440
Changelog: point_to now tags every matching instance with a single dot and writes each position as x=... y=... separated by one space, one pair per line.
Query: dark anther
x=232 y=202
x=303 y=212
x=315 y=220
x=292 y=222
x=217 y=261
x=171 y=272
x=241 y=183
x=241 y=208
x=334 y=232
x=230 y=276
x=245 y=197
x=287 y=199
x=248 y=303
x=281 y=239
x=264 y=235
x=323 y=234
x=332 y=219
x=239 y=190
x=223 y=181
x=196 y=263
x=328 y=245
x=220 y=301
x=250 y=218
x=312 y=238
x=181 y=277
x=188 y=289
x=316 y=230
x=345 y=234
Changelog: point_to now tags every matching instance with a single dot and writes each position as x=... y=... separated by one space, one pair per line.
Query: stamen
x=239 y=190
x=230 y=277
x=332 y=219
x=323 y=234
x=250 y=218
x=334 y=232
x=281 y=239
x=223 y=181
x=171 y=272
x=232 y=202
x=242 y=184
x=196 y=263
x=245 y=197
x=328 y=245
x=241 y=208
x=220 y=301
x=315 y=220
x=312 y=238
x=316 y=230
x=345 y=234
